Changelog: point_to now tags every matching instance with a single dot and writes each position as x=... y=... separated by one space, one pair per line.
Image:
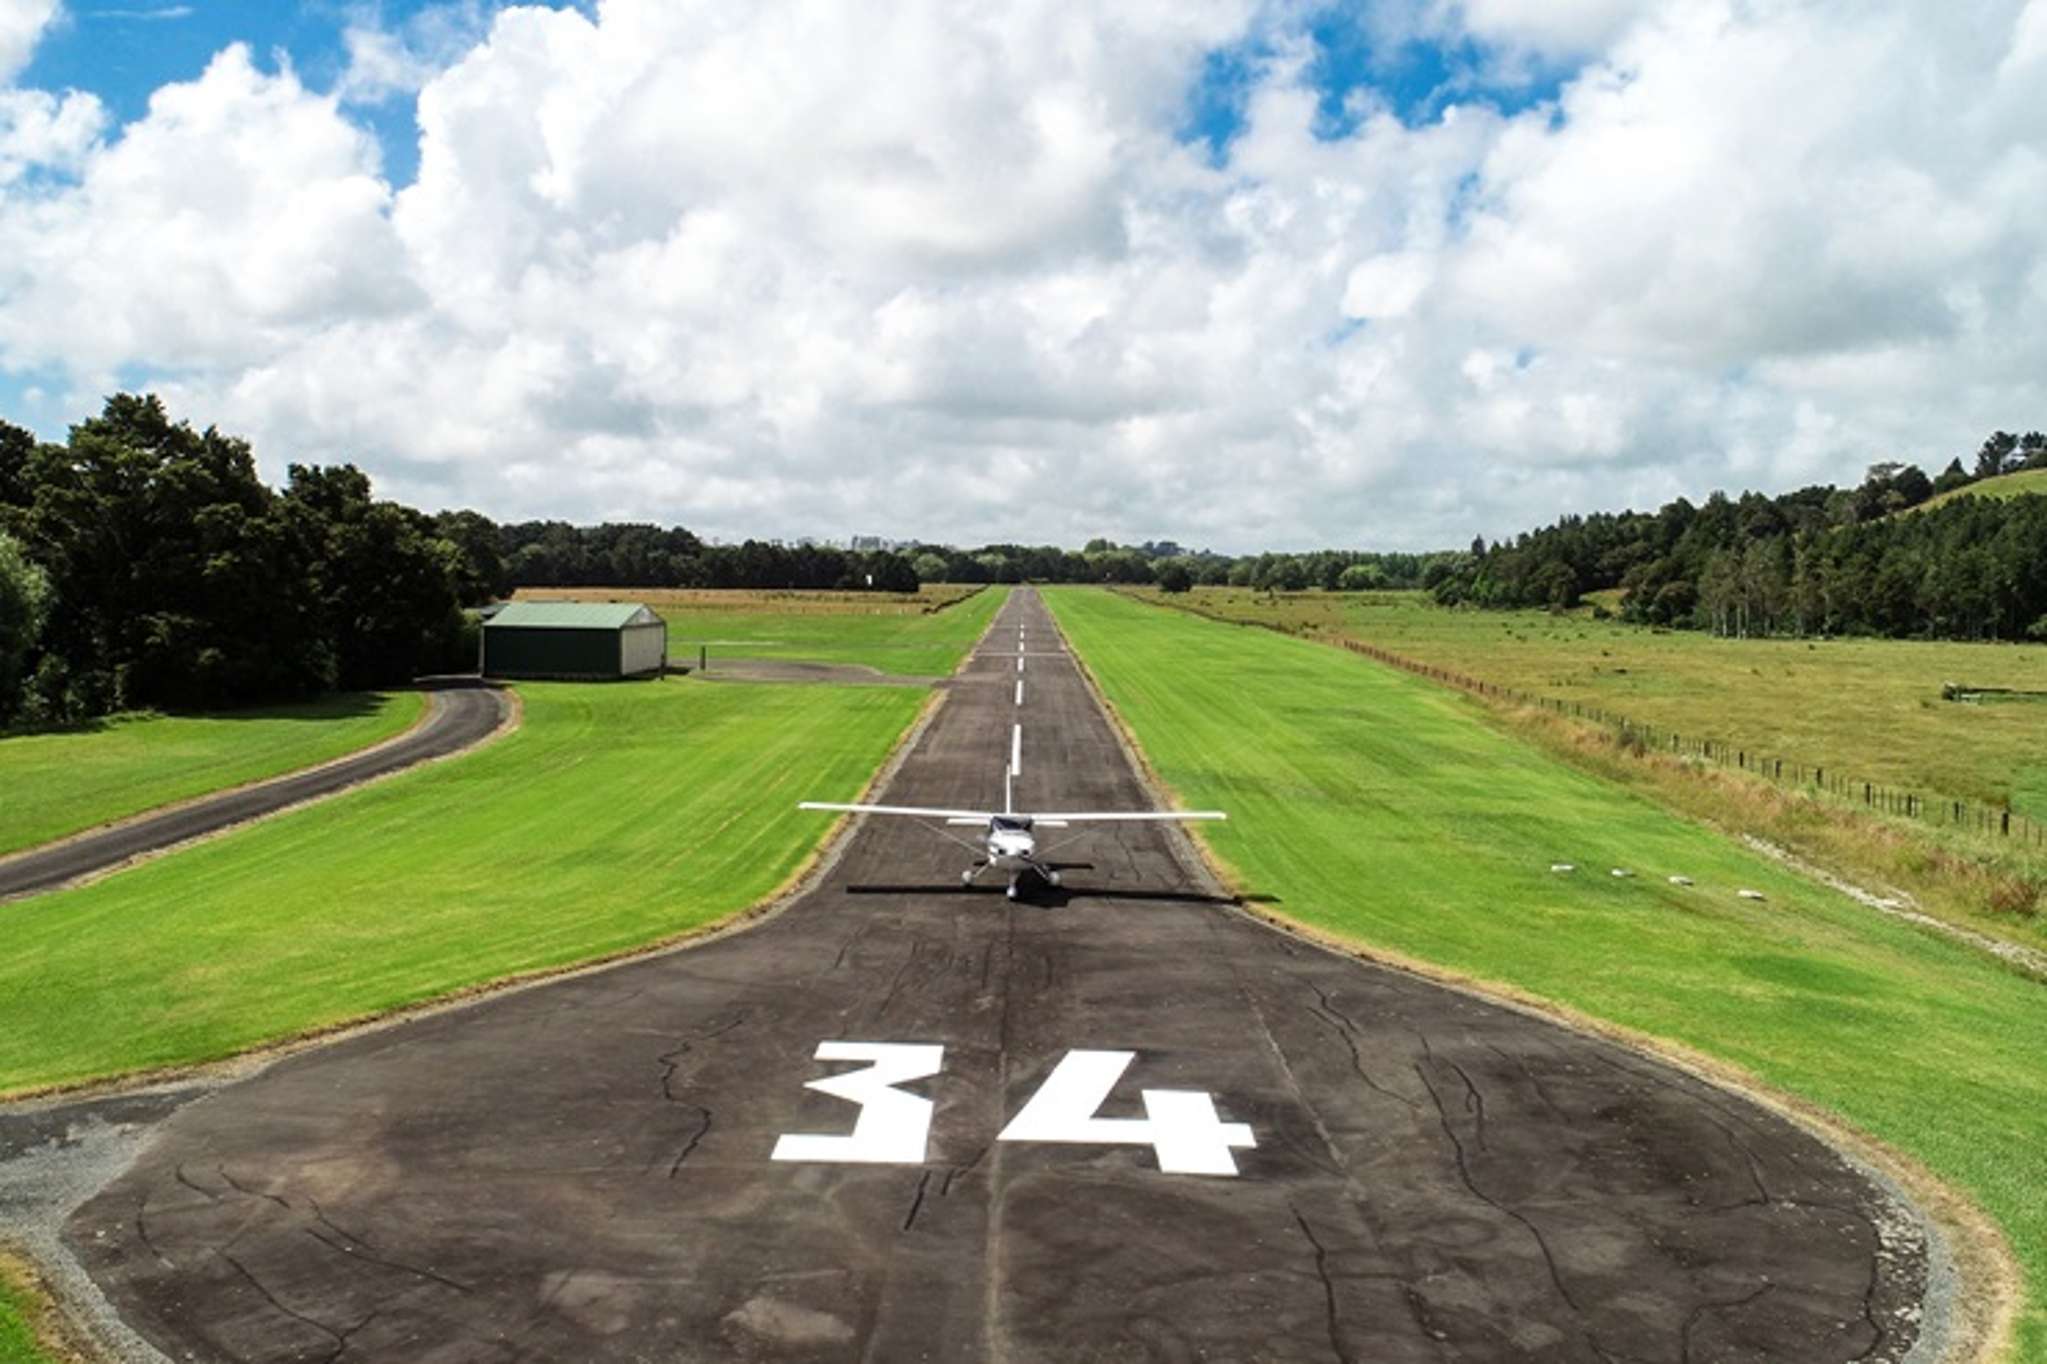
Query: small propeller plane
x=1009 y=836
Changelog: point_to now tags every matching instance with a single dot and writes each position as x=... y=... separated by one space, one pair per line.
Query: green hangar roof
x=572 y=615
x=574 y=639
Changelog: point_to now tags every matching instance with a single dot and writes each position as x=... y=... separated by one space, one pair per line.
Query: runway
x=1395 y=1171
x=462 y=713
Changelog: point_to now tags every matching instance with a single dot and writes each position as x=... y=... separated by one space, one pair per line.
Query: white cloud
x=931 y=269
x=38 y=129
x=384 y=61
x=1546 y=28
x=21 y=23
x=241 y=215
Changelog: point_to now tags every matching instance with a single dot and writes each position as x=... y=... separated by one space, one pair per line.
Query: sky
x=1243 y=274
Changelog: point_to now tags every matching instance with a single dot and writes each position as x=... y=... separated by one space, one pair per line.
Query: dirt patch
x=835 y=674
x=1899 y=905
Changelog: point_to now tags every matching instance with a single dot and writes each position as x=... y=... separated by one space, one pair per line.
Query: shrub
x=2014 y=895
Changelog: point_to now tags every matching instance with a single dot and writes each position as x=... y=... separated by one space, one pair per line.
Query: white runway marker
x=1016 y=750
x=1019 y=691
x=1019 y=662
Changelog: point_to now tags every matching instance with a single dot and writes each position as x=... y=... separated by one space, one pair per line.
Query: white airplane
x=1009 y=838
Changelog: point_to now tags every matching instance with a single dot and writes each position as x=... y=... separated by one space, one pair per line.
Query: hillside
x=2003 y=488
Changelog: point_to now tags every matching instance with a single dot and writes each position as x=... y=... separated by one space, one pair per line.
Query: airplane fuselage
x=1009 y=838
x=1011 y=848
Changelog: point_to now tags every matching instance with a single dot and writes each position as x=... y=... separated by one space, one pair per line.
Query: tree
x=24 y=605
x=176 y=583
x=1996 y=453
x=482 y=575
x=1174 y=577
x=931 y=568
x=1952 y=477
x=385 y=585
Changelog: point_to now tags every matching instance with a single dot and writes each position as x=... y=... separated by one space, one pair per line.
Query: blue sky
x=1415 y=78
x=122 y=50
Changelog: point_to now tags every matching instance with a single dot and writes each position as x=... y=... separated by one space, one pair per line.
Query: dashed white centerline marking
x=1019 y=691
x=1016 y=750
x=1019 y=662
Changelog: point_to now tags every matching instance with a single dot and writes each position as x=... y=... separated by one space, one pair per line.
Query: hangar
x=574 y=639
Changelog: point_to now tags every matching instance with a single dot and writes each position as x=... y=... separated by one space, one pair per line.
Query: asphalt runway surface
x=463 y=713
x=587 y=1170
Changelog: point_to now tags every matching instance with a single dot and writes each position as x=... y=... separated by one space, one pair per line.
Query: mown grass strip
x=1866 y=708
x=1384 y=811
x=54 y=785
x=617 y=815
x=889 y=640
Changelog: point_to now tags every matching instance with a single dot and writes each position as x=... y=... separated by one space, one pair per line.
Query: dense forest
x=143 y=563
x=1820 y=560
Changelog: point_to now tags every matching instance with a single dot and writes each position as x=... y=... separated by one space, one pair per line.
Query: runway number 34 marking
x=1180 y=1125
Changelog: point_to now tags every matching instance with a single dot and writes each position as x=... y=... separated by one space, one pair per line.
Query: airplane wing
x=913 y=811
x=1118 y=816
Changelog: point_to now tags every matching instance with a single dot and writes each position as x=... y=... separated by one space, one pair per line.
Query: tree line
x=144 y=563
x=1819 y=560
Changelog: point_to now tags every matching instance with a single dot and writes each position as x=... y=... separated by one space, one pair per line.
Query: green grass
x=914 y=643
x=1385 y=810
x=17 y=1341
x=1867 y=707
x=52 y=785
x=2003 y=488
x=616 y=815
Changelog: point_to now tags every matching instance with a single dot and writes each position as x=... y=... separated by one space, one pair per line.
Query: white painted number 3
x=1180 y=1125
x=892 y=1126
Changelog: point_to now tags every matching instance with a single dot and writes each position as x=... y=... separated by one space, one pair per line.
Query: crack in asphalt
x=1464 y=1171
x=397 y=1266
x=339 y=1335
x=1335 y=1327
x=142 y=1231
x=1474 y=1103
x=1534 y=1081
x=1698 y=1314
x=917 y=1202
x=1347 y=1030
x=696 y=1139
x=248 y=1192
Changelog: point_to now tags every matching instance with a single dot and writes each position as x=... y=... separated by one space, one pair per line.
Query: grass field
x=616 y=815
x=1387 y=811
x=1868 y=707
x=52 y=785
x=17 y=1342
x=897 y=633
x=927 y=598
x=2020 y=484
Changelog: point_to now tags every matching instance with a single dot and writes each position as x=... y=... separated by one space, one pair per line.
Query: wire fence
x=1991 y=820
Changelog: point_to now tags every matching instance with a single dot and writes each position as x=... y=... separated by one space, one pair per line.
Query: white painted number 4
x=1180 y=1125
